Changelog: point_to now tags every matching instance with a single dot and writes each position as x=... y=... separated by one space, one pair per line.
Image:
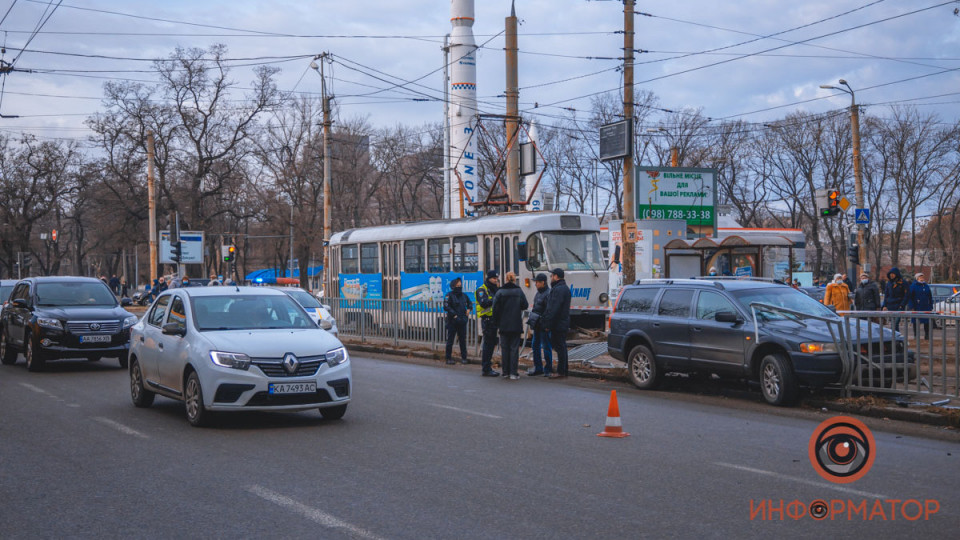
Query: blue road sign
x=862 y=216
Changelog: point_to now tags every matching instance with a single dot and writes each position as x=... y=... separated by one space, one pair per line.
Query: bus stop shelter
x=732 y=255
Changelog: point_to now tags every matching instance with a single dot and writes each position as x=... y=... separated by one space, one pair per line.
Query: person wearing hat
x=557 y=319
x=542 y=351
x=456 y=305
x=894 y=295
x=867 y=295
x=920 y=298
x=214 y=281
x=508 y=306
x=837 y=294
x=485 y=294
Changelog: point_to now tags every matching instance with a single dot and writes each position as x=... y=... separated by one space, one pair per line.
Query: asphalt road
x=438 y=452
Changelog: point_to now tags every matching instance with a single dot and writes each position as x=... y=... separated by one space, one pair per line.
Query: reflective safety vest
x=484 y=311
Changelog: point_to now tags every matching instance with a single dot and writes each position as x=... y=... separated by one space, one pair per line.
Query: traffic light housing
x=177 y=254
x=229 y=253
x=833 y=204
x=853 y=253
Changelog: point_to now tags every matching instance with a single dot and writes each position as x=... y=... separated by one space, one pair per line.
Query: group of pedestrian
x=900 y=296
x=118 y=286
x=500 y=310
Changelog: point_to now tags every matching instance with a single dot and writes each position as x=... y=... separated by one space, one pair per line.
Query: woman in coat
x=919 y=298
x=837 y=294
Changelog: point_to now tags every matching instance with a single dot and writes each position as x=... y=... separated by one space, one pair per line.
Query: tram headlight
x=604 y=297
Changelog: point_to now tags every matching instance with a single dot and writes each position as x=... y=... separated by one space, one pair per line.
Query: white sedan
x=948 y=306
x=236 y=349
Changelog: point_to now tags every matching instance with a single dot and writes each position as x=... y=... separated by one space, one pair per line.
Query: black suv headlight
x=48 y=322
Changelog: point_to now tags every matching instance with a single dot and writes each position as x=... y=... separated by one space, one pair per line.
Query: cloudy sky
x=750 y=59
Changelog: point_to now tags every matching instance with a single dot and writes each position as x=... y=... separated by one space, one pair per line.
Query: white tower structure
x=463 y=108
x=536 y=203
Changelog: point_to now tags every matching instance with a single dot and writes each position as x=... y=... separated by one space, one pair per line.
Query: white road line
x=310 y=513
x=120 y=427
x=475 y=413
x=803 y=481
x=38 y=390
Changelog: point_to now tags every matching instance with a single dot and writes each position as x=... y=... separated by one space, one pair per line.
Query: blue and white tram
x=417 y=261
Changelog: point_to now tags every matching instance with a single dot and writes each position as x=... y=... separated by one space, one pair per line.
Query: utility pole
x=291 y=239
x=628 y=255
x=513 y=114
x=447 y=207
x=327 y=218
x=152 y=198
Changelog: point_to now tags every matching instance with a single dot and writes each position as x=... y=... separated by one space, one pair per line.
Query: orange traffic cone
x=613 y=427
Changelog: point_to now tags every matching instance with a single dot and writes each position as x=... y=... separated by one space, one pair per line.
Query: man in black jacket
x=557 y=319
x=542 y=351
x=867 y=295
x=895 y=295
x=508 y=306
x=485 y=294
x=457 y=306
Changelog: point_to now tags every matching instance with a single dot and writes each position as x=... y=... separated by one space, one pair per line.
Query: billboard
x=191 y=248
x=677 y=193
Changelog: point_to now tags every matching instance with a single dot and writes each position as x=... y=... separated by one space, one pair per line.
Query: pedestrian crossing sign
x=862 y=216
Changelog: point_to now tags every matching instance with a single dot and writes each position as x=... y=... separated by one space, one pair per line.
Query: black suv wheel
x=8 y=355
x=35 y=358
x=777 y=381
x=642 y=367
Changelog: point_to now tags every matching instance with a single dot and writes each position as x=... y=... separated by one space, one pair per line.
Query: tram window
x=438 y=251
x=465 y=255
x=496 y=254
x=536 y=256
x=395 y=261
x=349 y=255
x=507 y=248
x=368 y=259
x=516 y=256
x=413 y=256
x=486 y=255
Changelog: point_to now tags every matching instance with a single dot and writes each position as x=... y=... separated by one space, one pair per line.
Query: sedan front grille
x=94 y=327
x=273 y=367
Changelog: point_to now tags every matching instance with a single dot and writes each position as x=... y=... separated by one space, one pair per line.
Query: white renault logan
x=236 y=349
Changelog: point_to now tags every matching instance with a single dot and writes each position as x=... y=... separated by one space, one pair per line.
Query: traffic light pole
x=857 y=176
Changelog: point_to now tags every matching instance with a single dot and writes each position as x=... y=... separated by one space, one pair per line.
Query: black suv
x=64 y=317
x=700 y=326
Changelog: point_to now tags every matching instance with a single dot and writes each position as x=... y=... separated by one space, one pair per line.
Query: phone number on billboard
x=703 y=215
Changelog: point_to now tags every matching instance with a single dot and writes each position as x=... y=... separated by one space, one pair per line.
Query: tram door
x=500 y=254
x=390 y=261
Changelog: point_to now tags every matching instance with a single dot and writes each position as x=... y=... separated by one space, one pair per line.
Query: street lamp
x=857 y=175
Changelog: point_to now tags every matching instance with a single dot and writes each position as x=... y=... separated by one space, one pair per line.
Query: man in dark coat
x=557 y=319
x=542 y=351
x=508 y=306
x=920 y=298
x=485 y=294
x=457 y=306
x=114 y=284
x=895 y=295
x=867 y=295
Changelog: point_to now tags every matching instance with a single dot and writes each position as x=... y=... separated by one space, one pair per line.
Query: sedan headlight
x=814 y=348
x=50 y=323
x=130 y=321
x=230 y=360
x=337 y=357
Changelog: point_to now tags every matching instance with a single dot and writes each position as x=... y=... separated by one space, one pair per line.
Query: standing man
x=456 y=305
x=557 y=319
x=542 y=352
x=114 y=284
x=894 y=295
x=508 y=306
x=867 y=296
x=485 y=294
x=920 y=298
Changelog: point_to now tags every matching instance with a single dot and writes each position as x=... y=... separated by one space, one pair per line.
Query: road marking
x=467 y=411
x=802 y=480
x=120 y=427
x=38 y=390
x=310 y=513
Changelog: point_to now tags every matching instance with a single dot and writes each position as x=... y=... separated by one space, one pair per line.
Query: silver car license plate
x=95 y=339
x=293 y=388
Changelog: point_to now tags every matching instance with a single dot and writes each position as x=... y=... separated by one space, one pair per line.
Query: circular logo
x=819 y=509
x=95 y=326
x=842 y=449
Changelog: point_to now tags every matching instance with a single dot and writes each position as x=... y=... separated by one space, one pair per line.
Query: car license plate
x=293 y=388
x=95 y=339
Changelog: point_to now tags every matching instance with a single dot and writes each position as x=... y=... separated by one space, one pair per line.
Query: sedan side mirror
x=20 y=302
x=728 y=317
x=173 y=329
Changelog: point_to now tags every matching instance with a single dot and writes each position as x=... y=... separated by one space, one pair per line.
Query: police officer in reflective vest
x=485 y=294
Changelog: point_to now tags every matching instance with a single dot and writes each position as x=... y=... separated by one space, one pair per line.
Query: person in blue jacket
x=919 y=298
x=895 y=294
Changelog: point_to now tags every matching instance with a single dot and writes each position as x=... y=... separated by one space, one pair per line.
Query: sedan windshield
x=248 y=312
x=784 y=297
x=73 y=293
x=304 y=298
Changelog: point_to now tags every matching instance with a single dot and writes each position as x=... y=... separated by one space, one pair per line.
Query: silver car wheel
x=193 y=399
x=771 y=381
x=641 y=367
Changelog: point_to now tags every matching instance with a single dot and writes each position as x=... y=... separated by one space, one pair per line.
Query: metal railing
x=919 y=353
x=421 y=322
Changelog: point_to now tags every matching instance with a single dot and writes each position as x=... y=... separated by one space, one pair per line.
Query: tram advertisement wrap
x=434 y=287
x=361 y=286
